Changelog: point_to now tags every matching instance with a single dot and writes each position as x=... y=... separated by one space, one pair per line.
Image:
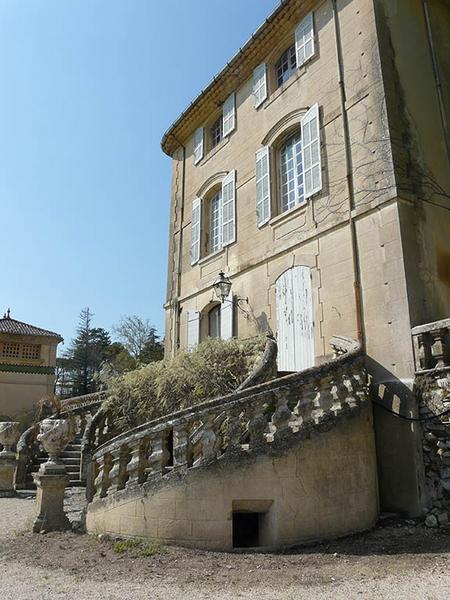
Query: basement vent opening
x=246 y=532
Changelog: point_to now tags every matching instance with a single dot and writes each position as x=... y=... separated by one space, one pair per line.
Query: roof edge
x=255 y=35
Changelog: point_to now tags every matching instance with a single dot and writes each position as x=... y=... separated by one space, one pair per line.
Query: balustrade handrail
x=346 y=351
x=81 y=402
x=431 y=343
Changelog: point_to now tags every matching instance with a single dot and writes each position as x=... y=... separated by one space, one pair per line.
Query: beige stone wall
x=322 y=489
x=21 y=392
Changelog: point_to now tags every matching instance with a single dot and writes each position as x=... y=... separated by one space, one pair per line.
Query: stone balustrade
x=432 y=345
x=265 y=417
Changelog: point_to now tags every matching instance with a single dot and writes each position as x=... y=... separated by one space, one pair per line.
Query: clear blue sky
x=87 y=88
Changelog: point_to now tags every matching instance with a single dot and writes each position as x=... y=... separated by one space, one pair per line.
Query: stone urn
x=9 y=436
x=54 y=435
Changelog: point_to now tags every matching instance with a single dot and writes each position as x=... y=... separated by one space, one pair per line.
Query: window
x=215 y=218
x=296 y=55
x=24 y=351
x=31 y=351
x=11 y=350
x=298 y=167
x=213 y=223
x=217 y=132
x=214 y=322
x=286 y=65
x=291 y=173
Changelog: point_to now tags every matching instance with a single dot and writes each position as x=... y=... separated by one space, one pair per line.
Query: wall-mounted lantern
x=222 y=286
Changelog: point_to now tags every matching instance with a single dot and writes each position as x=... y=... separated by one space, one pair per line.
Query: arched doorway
x=295 y=325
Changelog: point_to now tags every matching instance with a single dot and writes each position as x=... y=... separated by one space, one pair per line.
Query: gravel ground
x=398 y=561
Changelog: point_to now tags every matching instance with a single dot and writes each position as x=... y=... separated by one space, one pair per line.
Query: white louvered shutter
x=304 y=39
x=312 y=167
x=196 y=230
x=260 y=84
x=229 y=209
x=226 y=318
x=198 y=145
x=263 y=186
x=229 y=114
x=193 y=329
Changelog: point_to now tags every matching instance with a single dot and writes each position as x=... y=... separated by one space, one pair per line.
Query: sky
x=87 y=89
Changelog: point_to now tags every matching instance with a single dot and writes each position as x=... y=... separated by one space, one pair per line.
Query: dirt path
x=395 y=562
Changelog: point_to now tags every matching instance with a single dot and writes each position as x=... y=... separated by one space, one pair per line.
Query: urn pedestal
x=9 y=436
x=51 y=479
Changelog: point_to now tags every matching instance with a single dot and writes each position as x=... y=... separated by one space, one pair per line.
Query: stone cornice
x=240 y=68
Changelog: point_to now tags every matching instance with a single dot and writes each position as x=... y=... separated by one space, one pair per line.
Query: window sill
x=286 y=85
x=211 y=257
x=285 y=216
x=214 y=151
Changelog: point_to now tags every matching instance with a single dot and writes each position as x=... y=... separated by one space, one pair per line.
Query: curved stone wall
x=319 y=485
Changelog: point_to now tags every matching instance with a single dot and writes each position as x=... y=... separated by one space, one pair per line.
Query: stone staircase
x=71 y=457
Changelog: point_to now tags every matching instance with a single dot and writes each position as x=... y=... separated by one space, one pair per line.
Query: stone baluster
x=303 y=412
x=159 y=455
x=234 y=429
x=257 y=425
x=440 y=351
x=138 y=462
x=282 y=416
x=209 y=439
x=181 y=446
x=114 y=471
x=102 y=481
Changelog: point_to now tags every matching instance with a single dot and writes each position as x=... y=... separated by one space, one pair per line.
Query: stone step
x=70 y=454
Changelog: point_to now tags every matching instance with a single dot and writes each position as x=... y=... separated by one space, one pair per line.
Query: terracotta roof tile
x=11 y=326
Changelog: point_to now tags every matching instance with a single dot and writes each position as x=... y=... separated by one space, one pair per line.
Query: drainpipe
x=437 y=78
x=350 y=186
x=175 y=301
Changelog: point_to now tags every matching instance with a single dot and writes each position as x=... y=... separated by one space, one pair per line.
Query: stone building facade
x=27 y=366
x=313 y=171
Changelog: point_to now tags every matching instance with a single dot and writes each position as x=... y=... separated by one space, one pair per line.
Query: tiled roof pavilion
x=14 y=327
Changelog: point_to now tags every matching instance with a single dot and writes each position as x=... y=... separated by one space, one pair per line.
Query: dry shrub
x=216 y=367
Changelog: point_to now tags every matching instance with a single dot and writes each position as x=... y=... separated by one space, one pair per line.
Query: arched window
x=291 y=173
x=286 y=65
x=214 y=322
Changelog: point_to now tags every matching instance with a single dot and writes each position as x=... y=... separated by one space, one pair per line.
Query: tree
x=86 y=354
x=140 y=338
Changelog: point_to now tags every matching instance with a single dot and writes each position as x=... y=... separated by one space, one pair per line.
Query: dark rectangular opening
x=246 y=529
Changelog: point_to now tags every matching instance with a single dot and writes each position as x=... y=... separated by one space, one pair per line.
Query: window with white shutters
x=195 y=230
x=193 y=329
x=229 y=114
x=229 y=208
x=198 y=145
x=312 y=168
x=260 y=84
x=304 y=40
x=215 y=223
x=262 y=186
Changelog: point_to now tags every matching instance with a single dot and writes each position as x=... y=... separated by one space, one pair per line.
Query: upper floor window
x=291 y=173
x=215 y=218
x=217 y=131
x=296 y=165
x=286 y=65
x=213 y=223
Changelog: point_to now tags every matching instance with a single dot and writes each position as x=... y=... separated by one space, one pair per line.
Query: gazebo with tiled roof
x=27 y=366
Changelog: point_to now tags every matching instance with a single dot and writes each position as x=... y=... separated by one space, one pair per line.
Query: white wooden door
x=295 y=326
